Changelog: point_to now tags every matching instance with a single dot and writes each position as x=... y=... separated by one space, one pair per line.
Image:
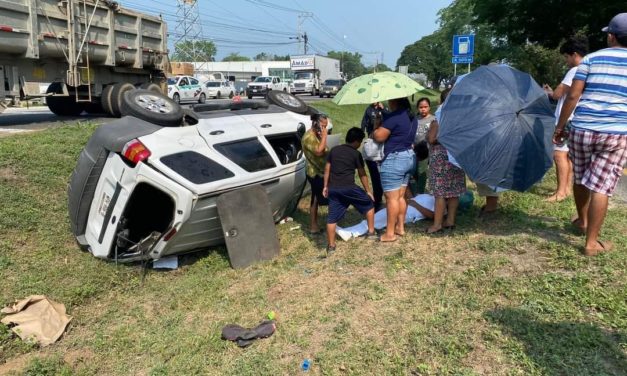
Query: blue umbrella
x=497 y=123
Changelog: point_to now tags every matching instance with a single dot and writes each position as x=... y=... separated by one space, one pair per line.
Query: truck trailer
x=310 y=71
x=88 y=52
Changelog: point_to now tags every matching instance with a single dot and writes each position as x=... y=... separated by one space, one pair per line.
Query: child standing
x=340 y=187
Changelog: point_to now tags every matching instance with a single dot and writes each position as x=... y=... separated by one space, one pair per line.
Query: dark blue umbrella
x=497 y=123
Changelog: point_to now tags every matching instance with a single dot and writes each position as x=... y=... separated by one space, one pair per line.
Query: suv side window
x=194 y=81
x=183 y=82
x=249 y=154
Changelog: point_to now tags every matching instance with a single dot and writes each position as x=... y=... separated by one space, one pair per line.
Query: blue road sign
x=462 y=59
x=464 y=45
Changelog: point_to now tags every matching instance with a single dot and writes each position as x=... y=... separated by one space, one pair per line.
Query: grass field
x=510 y=296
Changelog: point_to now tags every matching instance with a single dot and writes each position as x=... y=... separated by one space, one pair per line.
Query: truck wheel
x=218 y=95
x=62 y=105
x=117 y=96
x=202 y=98
x=94 y=108
x=152 y=107
x=250 y=96
x=176 y=98
x=105 y=99
x=230 y=95
x=150 y=86
x=287 y=101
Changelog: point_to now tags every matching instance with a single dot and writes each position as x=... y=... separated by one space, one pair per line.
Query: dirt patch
x=74 y=358
x=9 y=175
x=16 y=364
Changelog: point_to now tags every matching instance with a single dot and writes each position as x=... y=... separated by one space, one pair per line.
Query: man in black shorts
x=340 y=187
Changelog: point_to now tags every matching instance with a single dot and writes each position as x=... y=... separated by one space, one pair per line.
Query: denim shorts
x=396 y=169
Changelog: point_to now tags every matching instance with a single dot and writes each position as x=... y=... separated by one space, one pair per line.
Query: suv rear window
x=196 y=168
x=249 y=154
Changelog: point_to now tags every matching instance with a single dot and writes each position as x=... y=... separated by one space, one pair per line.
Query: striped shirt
x=603 y=103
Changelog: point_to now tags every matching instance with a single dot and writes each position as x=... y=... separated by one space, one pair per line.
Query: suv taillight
x=135 y=152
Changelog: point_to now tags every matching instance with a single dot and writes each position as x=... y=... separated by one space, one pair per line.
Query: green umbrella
x=376 y=87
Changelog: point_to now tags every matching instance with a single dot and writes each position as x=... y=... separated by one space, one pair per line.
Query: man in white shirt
x=419 y=207
x=573 y=50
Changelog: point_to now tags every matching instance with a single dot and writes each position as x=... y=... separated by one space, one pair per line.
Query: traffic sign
x=463 y=45
x=462 y=59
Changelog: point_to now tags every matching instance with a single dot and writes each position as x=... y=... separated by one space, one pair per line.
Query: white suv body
x=219 y=89
x=141 y=191
x=263 y=84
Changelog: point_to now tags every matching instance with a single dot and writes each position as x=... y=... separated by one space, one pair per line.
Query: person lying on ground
x=418 y=208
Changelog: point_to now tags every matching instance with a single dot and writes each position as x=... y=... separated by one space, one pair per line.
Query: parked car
x=262 y=85
x=185 y=89
x=218 y=89
x=331 y=87
x=145 y=187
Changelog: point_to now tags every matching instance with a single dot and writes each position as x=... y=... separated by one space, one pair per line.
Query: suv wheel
x=287 y=101
x=153 y=107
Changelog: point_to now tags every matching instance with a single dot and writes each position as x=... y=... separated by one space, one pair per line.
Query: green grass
x=511 y=296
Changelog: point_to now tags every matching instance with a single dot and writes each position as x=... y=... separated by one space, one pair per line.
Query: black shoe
x=330 y=250
x=371 y=236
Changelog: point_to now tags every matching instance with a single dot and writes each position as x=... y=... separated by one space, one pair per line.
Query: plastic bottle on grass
x=305 y=366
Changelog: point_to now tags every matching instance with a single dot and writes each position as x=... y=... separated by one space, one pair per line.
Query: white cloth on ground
x=381 y=217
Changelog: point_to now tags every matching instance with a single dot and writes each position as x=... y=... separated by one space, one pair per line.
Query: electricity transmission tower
x=188 y=31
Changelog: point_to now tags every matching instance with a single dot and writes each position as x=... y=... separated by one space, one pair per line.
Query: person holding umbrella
x=396 y=130
x=367 y=125
x=598 y=137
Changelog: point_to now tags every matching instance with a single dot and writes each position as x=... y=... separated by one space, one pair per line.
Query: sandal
x=606 y=246
x=387 y=241
x=438 y=231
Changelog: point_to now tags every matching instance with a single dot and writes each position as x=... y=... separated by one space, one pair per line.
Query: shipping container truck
x=86 y=52
x=310 y=71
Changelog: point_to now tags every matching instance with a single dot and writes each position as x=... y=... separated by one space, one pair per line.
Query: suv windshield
x=263 y=79
x=332 y=82
x=303 y=76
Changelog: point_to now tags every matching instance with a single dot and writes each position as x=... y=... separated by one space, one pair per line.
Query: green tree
x=429 y=56
x=271 y=57
x=235 y=56
x=350 y=63
x=378 y=68
x=190 y=51
x=548 y=22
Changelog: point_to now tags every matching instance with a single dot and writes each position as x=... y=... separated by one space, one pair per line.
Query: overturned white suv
x=145 y=189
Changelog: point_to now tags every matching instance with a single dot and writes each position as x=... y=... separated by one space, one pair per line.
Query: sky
x=376 y=29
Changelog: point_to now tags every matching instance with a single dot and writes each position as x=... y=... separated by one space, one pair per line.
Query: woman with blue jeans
x=396 y=130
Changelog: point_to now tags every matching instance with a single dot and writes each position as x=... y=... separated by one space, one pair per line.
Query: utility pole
x=305 y=39
x=301 y=18
x=189 y=33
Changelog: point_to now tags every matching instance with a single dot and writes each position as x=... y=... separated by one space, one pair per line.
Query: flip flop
x=438 y=231
x=606 y=246
x=387 y=241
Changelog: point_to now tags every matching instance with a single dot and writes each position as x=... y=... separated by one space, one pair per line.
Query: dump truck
x=86 y=53
x=310 y=71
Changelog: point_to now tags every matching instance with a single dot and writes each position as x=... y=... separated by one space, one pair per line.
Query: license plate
x=254 y=90
x=104 y=204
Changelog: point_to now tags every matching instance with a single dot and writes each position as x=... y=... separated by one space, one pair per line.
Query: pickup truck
x=263 y=84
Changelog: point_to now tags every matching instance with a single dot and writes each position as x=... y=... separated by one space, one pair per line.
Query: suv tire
x=117 y=96
x=287 y=101
x=152 y=107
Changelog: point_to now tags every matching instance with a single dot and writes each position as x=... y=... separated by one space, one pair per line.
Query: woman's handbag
x=372 y=150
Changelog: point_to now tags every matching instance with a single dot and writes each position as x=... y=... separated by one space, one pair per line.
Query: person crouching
x=340 y=187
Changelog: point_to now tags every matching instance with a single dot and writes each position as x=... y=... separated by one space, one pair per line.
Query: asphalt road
x=16 y=120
